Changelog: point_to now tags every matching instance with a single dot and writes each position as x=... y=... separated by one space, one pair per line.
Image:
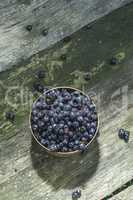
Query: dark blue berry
x=113 y=61
x=10 y=116
x=76 y=194
x=28 y=27
x=75 y=124
x=123 y=134
x=45 y=32
x=82 y=147
x=53 y=147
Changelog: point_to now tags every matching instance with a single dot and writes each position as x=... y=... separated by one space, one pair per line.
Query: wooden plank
x=26 y=172
x=124 y=195
x=62 y=18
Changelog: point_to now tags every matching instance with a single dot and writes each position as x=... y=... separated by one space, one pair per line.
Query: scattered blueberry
x=113 y=61
x=124 y=134
x=10 y=116
x=87 y=77
x=29 y=27
x=63 y=120
x=45 y=32
x=76 y=194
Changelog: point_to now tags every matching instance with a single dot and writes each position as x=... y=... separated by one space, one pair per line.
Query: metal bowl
x=64 y=154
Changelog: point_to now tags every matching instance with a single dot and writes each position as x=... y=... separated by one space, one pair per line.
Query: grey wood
x=61 y=17
x=26 y=171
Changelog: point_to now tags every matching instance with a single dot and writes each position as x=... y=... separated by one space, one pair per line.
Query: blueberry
x=76 y=93
x=66 y=98
x=93 y=124
x=53 y=136
x=84 y=139
x=44 y=142
x=66 y=114
x=49 y=137
x=72 y=116
x=77 y=142
x=54 y=126
x=28 y=27
x=69 y=123
x=82 y=147
x=10 y=116
x=51 y=113
x=91 y=136
x=40 y=115
x=126 y=136
x=71 y=134
x=55 y=105
x=87 y=76
x=88 y=126
x=86 y=134
x=52 y=142
x=92 y=107
x=53 y=147
x=61 y=126
x=113 y=61
x=34 y=127
x=61 y=145
x=75 y=124
x=40 y=124
x=61 y=138
x=44 y=134
x=61 y=105
x=94 y=117
x=92 y=131
x=34 y=112
x=51 y=121
x=45 y=32
x=71 y=144
x=46 y=119
x=76 y=194
x=123 y=134
x=67 y=108
x=35 y=119
x=65 y=142
x=66 y=130
x=61 y=131
x=80 y=119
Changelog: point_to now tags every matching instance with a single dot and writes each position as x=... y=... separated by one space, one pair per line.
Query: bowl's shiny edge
x=63 y=154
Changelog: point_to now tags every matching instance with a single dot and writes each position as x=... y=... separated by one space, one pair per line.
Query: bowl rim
x=63 y=154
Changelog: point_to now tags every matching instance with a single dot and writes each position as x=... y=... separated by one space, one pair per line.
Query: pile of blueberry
x=64 y=120
x=123 y=134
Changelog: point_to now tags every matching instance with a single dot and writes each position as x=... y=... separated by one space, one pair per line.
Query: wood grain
x=62 y=18
x=26 y=172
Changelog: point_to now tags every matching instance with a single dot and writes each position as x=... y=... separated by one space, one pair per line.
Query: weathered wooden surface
x=26 y=172
x=60 y=17
x=126 y=194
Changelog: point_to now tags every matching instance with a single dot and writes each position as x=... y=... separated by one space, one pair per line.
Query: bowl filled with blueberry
x=64 y=121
